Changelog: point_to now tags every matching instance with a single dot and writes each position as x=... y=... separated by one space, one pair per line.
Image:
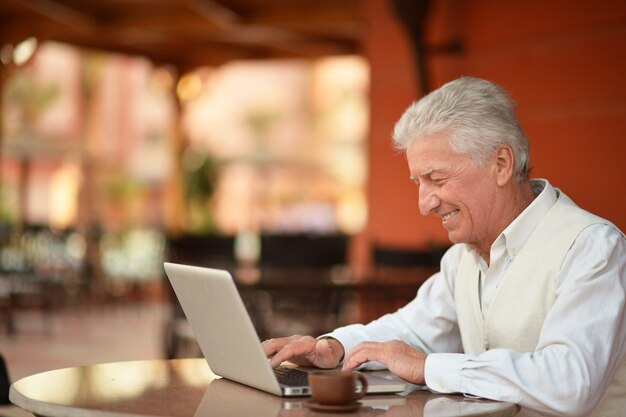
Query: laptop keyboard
x=292 y=377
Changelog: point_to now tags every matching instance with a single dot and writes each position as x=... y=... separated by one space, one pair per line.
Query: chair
x=214 y=251
x=398 y=272
x=5 y=382
x=408 y=257
x=298 y=283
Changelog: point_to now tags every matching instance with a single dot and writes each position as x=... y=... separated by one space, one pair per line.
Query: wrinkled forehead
x=429 y=146
x=431 y=154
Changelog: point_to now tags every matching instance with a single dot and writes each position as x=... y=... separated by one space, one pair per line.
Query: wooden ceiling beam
x=59 y=13
x=214 y=12
x=189 y=32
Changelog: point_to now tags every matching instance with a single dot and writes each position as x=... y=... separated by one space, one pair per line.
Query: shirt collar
x=517 y=233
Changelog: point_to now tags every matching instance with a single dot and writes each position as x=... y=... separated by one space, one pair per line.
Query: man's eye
x=439 y=181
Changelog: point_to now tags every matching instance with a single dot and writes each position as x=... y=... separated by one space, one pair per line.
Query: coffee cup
x=336 y=387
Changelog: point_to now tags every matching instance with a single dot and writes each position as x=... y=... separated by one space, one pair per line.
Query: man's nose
x=428 y=200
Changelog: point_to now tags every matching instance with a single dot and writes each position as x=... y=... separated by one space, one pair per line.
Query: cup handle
x=363 y=382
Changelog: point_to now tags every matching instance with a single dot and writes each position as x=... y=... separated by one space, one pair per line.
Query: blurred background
x=254 y=135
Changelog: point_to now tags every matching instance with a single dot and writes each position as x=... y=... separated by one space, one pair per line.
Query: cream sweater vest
x=519 y=306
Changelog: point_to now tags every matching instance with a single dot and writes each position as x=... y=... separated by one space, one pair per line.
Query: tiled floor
x=83 y=335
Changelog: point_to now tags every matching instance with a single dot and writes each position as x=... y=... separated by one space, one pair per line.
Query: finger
x=363 y=352
x=401 y=359
x=297 y=348
x=271 y=346
x=325 y=355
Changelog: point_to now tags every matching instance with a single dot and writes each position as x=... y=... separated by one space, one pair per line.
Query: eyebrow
x=425 y=173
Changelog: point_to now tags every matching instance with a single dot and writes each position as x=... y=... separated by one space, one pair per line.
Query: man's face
x=455 y=189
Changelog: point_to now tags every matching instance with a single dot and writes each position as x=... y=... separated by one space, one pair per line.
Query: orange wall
x=564 y=63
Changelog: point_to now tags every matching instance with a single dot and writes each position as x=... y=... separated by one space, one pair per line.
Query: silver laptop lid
x=221 y=325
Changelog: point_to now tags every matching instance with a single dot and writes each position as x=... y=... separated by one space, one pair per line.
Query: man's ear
x=504 y=163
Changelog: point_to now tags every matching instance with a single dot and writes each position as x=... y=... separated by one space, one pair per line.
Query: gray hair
x=475 y=115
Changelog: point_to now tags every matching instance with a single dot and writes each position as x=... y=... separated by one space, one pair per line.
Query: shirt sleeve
x=428 y=322
x=581 y=346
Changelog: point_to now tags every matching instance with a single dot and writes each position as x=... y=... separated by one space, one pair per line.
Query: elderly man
x=529 y=304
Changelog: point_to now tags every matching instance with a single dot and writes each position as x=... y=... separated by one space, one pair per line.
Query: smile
x=448 y=216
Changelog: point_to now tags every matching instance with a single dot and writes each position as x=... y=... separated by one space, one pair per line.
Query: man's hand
x=401 y=359
x=304 y=351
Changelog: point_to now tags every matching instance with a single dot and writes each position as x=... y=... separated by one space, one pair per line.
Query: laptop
x=228 y=340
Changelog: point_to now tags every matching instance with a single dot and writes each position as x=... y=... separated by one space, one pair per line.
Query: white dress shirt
x=587 y=322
